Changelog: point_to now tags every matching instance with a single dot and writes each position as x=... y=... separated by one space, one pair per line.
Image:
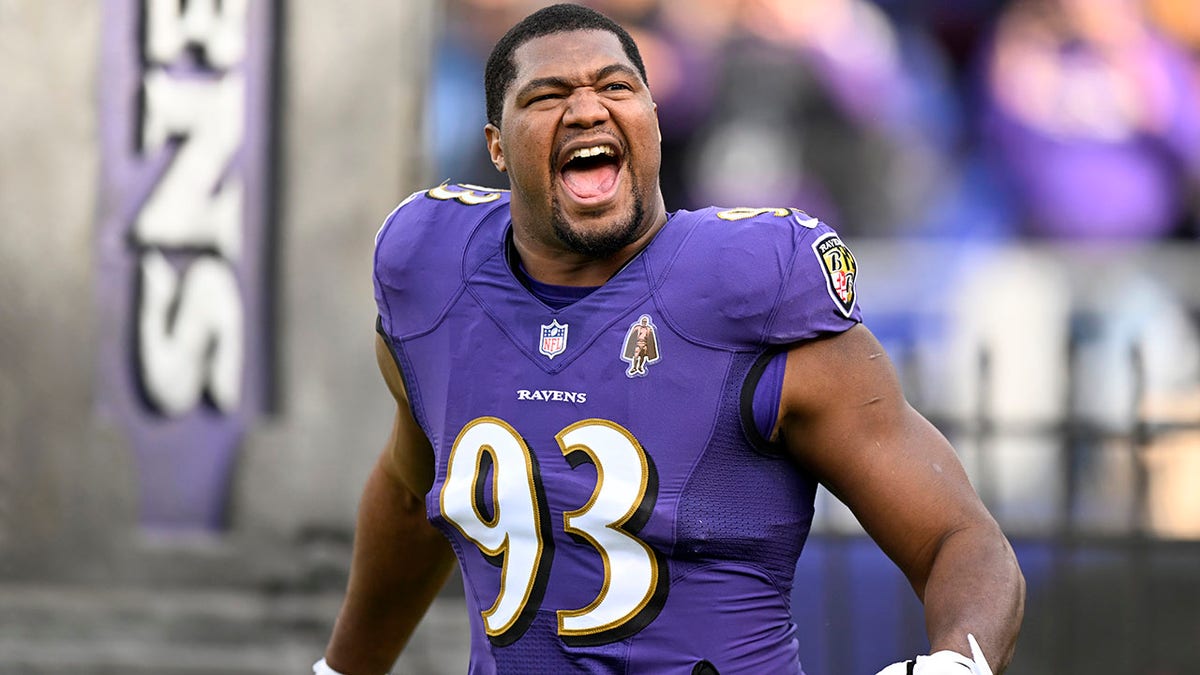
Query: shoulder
x=445 y=214
x=420 y=248
x=758 y=276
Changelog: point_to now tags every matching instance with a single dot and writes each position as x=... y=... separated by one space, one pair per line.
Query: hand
x=945 y=662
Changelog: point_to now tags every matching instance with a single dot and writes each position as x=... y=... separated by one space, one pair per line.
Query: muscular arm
x=844 y=417
x=400 y=560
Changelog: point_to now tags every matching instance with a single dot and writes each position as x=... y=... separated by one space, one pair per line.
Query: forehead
x=572 y=54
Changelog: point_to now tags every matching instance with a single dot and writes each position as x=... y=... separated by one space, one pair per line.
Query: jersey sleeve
x=818 y=291
x=748 y=278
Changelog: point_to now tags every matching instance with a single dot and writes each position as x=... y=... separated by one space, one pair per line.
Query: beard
x=605 y=243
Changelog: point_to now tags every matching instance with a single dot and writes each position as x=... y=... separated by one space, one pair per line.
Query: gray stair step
x=48 y=629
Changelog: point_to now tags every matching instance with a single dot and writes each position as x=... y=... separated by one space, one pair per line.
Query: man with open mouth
x=615 y=417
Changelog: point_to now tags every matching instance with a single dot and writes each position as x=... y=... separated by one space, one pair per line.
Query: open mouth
x=590 y=173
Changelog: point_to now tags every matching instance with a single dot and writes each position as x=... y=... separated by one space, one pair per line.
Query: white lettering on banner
x=190 y=317
x=191 y=206
x=217 y=26
x=201 y=348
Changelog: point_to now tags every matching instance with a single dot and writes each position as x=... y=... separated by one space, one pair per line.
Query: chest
x=609 y=414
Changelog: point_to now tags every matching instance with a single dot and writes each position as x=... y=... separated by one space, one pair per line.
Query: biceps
x=847 y=421
x=904 y=483
x=408 y=456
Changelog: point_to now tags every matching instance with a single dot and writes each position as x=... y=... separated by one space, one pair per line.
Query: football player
x=698 y=374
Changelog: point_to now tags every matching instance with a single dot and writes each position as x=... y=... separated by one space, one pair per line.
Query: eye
x=617 y=86
x=545 y=97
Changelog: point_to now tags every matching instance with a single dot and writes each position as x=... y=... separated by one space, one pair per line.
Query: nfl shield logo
x=554 y=339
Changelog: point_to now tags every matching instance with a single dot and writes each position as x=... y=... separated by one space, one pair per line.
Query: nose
x=585 y=109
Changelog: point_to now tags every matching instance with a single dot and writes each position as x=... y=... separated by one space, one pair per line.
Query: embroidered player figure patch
x=841 y=271
x=641 y=346
x=554 y=338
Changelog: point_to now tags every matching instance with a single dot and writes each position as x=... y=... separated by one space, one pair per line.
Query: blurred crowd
x=992 y=119
x=975 y=123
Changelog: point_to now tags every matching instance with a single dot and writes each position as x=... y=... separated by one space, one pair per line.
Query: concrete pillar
x=349 y=120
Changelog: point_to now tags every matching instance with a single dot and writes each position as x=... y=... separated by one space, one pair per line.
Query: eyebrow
x=564 y=83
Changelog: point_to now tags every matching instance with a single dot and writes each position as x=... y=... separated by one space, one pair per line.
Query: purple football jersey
x=594 y=473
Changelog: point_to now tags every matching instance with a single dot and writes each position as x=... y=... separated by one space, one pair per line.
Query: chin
x=600 y=237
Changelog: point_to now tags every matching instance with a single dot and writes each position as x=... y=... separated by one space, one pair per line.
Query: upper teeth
x=593 y=151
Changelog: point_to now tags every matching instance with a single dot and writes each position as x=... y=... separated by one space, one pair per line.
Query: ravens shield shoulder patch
x=841 y=270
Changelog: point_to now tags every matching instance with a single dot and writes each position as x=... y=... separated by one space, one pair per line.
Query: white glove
x=945 y=662
x=322 y=668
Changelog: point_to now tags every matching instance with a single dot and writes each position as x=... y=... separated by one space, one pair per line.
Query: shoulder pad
x=745 y=278
x=419 y=252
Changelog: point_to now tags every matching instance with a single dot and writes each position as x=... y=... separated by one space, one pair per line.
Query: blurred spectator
x=958 y=27
x=828 y=105
x=856 y=110
x=1179 y=19
x=455 y=107
x=824 y=104
x=1094 y=117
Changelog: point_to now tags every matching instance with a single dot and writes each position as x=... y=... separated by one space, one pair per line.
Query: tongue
x=592 y=181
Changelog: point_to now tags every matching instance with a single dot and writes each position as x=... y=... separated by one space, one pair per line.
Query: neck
x=551 y=263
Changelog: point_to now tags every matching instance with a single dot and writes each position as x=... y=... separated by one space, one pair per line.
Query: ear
x=657 y=122
x=492 y=133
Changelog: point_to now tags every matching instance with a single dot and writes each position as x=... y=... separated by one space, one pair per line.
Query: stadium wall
x=333 y=119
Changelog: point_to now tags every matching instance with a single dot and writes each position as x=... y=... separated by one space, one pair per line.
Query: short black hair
x=501 y=71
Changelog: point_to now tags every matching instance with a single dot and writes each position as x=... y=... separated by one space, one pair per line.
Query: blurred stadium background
x=188 y=399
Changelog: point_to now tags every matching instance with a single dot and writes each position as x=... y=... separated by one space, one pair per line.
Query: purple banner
x=181 y=243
